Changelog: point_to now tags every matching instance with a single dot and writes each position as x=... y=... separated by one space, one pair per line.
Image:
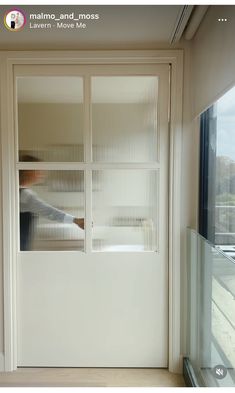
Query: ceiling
x=118 y=27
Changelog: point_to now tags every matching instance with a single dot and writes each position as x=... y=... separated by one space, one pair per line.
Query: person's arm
x=31 y=202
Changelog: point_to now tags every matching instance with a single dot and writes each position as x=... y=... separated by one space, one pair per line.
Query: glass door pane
x=49 y=201
x=125 y=210
x=124 y=118
x=50 y=118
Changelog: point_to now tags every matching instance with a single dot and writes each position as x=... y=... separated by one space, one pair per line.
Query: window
x=217 y=173
x=212 y=271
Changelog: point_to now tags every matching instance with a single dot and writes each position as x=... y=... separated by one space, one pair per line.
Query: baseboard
x=2 y=362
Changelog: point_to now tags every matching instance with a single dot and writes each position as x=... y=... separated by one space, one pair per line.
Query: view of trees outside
x=225 y=170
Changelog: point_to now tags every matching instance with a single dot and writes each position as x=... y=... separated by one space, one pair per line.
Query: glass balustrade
x=211 y=313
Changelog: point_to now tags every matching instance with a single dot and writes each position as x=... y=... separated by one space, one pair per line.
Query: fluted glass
x=41 y=227
x=124 y=118
x=50 y=118
x=125 y=210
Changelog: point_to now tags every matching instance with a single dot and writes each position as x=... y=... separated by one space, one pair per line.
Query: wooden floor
x=93 y=377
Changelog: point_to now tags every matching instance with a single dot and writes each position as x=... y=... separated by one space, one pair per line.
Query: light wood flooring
x=90 y=377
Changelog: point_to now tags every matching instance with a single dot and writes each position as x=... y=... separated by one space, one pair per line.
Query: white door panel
x=101 y=312
x=98 y=298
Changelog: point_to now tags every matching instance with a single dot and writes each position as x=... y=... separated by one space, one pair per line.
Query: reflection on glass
x=225 y=169
x=125 y=210
x=51 y=210
x=124 y=118
x=50 y=117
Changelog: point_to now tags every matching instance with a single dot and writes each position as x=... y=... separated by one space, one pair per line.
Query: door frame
x=8 y=59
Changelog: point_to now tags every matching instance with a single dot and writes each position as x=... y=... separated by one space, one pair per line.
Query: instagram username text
x=64 y=21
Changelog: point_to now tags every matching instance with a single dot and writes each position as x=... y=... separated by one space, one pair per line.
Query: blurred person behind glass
x=32 y=206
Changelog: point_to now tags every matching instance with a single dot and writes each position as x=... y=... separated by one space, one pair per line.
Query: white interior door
x=99 y=297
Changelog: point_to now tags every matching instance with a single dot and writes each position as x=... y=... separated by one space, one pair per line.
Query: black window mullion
x=207 y=174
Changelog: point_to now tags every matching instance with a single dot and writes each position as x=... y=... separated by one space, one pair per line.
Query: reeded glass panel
x=49 y=203
x=125 y=205
x=124 y=118
x=50 y=118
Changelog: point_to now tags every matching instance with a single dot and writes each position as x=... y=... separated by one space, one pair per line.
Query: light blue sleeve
x=29 y=201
